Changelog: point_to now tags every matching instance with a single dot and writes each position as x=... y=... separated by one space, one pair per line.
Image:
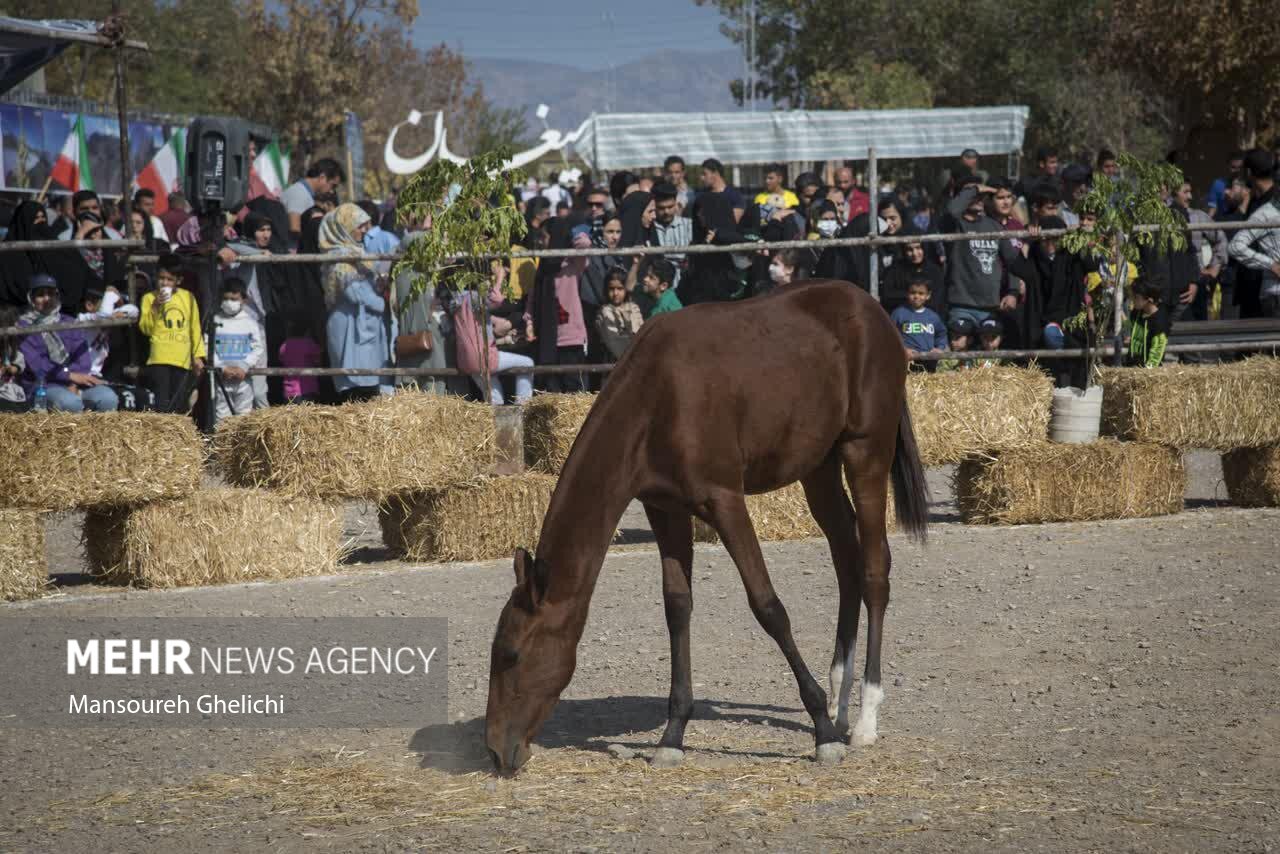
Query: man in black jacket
x=1055 y=295
x=1179 y=268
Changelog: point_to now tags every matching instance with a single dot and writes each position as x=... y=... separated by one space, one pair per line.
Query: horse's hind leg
x=829 y=504
x=674 y=532
x=728 y=512
x=868 y=473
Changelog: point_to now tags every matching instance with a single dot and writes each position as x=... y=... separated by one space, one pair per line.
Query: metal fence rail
x=100 y=323
x=51 y=245
x=1271 y=344
x=818 y=244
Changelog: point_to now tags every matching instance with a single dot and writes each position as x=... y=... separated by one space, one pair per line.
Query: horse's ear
x=524 y=567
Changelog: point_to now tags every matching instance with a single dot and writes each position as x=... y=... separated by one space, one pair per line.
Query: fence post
x=1121 y=265
x=509 y=439
x=122 y=109
x=873 y=217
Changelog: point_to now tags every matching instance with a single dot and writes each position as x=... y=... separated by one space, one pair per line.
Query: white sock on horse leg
x=841 y=689
x=864 y=733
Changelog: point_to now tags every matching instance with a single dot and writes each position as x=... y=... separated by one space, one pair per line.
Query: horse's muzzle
x=509 y=758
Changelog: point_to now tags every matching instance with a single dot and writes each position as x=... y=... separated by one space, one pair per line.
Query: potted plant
x=1118 y=218
x=473 y=222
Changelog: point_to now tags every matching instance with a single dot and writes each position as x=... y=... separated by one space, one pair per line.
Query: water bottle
x=40 y=403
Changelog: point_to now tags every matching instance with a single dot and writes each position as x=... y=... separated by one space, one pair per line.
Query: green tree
x=1051 y=57
x=1217 y=60
x=309 y=63
x=496 y=127
x=869 y=85
x=1118 y=206
x=457 y=199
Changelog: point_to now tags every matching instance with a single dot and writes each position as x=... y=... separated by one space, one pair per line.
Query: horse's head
x=533 y=656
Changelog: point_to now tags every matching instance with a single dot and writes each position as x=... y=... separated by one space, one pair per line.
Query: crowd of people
x=350 y=312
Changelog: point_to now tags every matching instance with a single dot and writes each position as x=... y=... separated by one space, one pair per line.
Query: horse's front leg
x=674 y=533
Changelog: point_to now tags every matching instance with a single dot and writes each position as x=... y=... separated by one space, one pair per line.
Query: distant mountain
x=670 y=81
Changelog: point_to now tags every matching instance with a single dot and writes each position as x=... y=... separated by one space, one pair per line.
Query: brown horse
x=712 y=403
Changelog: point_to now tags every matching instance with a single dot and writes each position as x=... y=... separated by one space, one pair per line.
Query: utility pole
x=746 y=59
x=611 y=85
x=751 y=55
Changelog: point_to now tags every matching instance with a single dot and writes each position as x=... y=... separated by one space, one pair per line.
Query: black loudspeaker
x=217 y=167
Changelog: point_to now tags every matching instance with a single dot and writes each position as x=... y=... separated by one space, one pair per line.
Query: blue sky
x=571 y=33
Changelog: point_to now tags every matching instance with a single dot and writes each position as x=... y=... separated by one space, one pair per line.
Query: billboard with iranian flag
x=54 y=151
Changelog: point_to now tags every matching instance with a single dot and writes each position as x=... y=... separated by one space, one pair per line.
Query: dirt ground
x=1076 y=687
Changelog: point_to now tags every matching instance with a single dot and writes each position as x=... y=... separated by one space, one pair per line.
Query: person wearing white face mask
x=785 y=268
x=828 y=227
x=237 y=346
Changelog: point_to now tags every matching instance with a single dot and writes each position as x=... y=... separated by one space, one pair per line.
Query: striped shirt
x=678 y=233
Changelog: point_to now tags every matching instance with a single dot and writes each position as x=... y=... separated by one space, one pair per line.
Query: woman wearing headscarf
x=856 y=260
x=637 y=213
x=264 y=283
x=291 y=294
x=716 y=276
x=361 y=327
x=560 y=333
x=593 y=286
x=67 y=267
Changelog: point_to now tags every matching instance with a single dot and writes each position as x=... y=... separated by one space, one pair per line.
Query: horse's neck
x=596 y=485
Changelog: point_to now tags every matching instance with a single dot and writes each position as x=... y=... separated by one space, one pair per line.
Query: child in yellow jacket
x=170 y=318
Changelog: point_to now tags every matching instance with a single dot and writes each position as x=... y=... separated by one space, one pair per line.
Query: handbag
x=414 y=344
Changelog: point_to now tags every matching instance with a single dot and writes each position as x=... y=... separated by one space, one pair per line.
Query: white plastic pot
x=1076 y=415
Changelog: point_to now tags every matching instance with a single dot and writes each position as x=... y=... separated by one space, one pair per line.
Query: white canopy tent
x=613 y=141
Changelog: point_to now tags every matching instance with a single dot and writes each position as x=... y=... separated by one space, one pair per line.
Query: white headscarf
x=337 y=238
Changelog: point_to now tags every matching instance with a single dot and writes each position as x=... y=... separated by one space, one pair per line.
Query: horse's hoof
x=831 y=753
x=863 y=737
x=667 y=757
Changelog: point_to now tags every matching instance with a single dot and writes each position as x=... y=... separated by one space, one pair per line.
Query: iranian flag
x=163 y=175
x=72 y=167
x=268 y=173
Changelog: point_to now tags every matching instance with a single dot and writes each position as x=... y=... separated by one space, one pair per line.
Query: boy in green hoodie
x=1149 y=330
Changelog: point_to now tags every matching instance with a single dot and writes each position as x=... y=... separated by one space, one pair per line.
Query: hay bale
x=1221 y=407
x=780 y=515
x=218 y=536
x=24 y=569
x=1052 y=482
x=551 y=424
x=983 y=410
x=66 y=461
x=369 y=450
x=483 y=519
x=1252 y=476
x=954 y=414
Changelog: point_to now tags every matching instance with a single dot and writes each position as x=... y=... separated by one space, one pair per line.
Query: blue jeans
x=1054 y=337
x=977 y=315
x=98 y=398
x=507 y=361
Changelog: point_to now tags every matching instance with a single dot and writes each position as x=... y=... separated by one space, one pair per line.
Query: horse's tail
x=910 y=490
